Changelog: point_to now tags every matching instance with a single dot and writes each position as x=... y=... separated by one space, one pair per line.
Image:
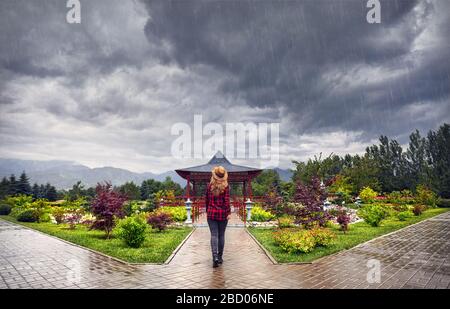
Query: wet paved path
x=414 y=257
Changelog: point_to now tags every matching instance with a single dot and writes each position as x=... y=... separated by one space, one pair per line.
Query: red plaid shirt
x=218 y=207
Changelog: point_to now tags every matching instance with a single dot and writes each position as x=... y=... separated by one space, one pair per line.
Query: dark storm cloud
x=296 y=54
x=35 y=36
x=108 y=90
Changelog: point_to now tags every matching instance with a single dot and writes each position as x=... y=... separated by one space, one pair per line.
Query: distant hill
x=285 y=174
x=64 y=174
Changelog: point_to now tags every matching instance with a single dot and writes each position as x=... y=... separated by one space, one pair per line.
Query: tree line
x=12 y=186
x=385 y=167
x=132 y=191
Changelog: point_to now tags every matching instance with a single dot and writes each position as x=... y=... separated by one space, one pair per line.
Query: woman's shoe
x=215 y=263
x=220 y=260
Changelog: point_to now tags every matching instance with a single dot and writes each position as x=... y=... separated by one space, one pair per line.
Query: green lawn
x=358 y=233
x=156 y=249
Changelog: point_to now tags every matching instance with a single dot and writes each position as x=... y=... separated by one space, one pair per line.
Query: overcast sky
x=107 y=91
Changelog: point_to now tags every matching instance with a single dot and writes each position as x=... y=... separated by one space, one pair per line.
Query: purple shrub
x=106 y=206
x=312 y=198
x=159 y=221
x=343 y=218
x=72 y=218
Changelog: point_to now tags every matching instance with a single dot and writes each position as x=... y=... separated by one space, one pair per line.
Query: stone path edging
x=172 y=255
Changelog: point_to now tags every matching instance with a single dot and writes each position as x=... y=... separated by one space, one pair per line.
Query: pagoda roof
x=217 y=159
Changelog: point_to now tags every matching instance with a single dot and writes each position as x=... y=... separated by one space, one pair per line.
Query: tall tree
x=23 y=186
x=76 y=192
x=150 y=187
x=419 y=172
x=266 y=181
x=130 y=190
x=4 y=187
x=36 y=190
x=391 y=163
x=50 y=193
x=169 y=184
x=325 y=169
x=438 y=153
x=362 y=172
x=12 y=190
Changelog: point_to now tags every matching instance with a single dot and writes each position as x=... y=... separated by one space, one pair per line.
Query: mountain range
x=64 y=174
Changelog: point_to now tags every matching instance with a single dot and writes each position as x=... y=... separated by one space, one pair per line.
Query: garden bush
x=323 y=237
x=107 y=206
x=27 y=215
x=20 y=201
x=274 y=202
x=132 y=230
x=311 y=198
x=5 y=209
x=260 y=215
x=373 y=214
x=426 y=197
x=73 y=218
x=299 y=240
x=400 y=207
x=159 y=220
x=295 y=240
x=41 y=208
x=404 y=215
x=19 y=204
x=418 y=209
x=285 y=221
x=397 y=197
x=45 y=217
x=342 y=198
x=58 y=213
x=131 y=208
x=368 y=195
x=178 y=213
x=407 y=196
x=343 y=218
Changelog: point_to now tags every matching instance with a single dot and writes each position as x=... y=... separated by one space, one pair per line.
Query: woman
x=218 y=211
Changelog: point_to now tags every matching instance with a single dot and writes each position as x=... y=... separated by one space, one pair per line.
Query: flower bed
x=357 y=233
x=352 y=213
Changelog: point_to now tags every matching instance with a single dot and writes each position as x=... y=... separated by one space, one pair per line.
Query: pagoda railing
x=197 y=207
x=238 y=203
x=198 y=204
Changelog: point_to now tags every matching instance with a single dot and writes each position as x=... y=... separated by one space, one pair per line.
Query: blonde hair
x=219 y=180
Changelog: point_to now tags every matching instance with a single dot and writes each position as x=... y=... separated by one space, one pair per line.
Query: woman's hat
x=219 y=172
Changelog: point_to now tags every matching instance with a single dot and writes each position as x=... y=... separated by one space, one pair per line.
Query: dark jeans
x=217 y=229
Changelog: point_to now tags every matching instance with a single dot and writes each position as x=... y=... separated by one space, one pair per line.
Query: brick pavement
x=414 y=257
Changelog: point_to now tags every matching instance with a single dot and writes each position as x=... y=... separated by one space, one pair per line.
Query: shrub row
x=300 y=240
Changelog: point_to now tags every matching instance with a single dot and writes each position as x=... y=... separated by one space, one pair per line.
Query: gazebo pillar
x=188 y=193
x=249 y=183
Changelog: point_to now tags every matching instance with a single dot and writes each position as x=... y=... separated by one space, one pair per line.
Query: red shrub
x=107 y=205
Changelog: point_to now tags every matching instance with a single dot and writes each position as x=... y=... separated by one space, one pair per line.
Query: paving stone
x=414 y=257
